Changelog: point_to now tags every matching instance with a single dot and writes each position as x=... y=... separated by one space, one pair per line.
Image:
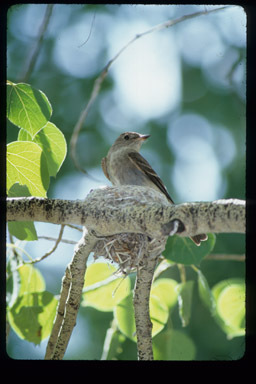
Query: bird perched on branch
x=124 y=165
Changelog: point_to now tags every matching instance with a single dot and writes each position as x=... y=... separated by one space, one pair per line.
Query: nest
x=128 y=250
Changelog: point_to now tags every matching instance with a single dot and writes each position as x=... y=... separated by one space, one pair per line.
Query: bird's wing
x=104 y=167
x=146 y=168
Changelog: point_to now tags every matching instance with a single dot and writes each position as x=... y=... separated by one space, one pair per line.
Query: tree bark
x=132 y=209
x=69 y=303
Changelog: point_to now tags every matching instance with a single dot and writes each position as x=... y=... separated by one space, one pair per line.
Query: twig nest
x=129 y=250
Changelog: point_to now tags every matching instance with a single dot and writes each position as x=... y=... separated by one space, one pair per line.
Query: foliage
x=31 y=160
x=197 y=304
x=37 y=154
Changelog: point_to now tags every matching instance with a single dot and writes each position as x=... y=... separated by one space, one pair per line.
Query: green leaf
x=100 y=290
x=230 y=306
x=27 y=107
x=113 y=344
x=185 y=301
x=31 y=280
x=205 y=293
x=13 y=280
x=23 y=230
x=32 y=316
x=166 y=291
x=173 y=345
x=183 y=251
x=26 y=164
x=124 y=316
x=53 y=143
x=159 y=314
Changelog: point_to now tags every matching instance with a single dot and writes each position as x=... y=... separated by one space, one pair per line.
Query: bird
x=124 y=165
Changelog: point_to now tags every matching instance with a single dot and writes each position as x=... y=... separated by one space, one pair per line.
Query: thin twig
x=66 y=241
x=58 y=240
x=35 y=52
x=75 y=227
x=90 y=32
x=99 y=80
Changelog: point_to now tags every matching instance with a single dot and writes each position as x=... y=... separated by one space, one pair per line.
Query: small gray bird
x=124 y=165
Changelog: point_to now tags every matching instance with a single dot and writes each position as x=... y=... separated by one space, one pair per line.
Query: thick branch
x=132 y=209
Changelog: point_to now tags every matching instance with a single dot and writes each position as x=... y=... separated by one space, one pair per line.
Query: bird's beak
x=143 y=137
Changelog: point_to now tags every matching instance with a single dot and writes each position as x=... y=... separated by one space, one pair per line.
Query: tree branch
x=144 y=278
x=69 y=302
x=141 y=218
x=132 y=209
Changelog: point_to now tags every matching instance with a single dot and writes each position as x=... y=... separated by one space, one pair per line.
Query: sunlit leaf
x=32 y=316
x=53 y=144
x=230 y=305
x=26 y=164
x=165 y=290
x=108 y=292
x=31 y=280
x=124 y=316
x=27 y=107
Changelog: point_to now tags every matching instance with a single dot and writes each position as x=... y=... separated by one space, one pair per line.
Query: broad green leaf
x=183 y=251
x=26 y=164
x=31 y=280
x=32 y=316
x=27 y=107
x=162 y=267
x=205 y=293
x=159 y=314
x=185 y=301
x=124 y=316
x=23 y=230
x=173 y=345
x=53 y=144
x=100 y=290
x=113 y=344
x=165 y=290
x=13 y=280
x=230 y=305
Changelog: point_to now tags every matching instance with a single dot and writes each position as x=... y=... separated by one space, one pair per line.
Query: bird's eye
x=126 y=137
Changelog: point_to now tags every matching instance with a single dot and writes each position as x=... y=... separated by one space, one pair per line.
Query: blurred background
x=185 y=86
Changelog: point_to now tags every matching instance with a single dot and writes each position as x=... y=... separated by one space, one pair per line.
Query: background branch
x=36 y=50
x=225 y=257
x=99 y=80
x=57 y=241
